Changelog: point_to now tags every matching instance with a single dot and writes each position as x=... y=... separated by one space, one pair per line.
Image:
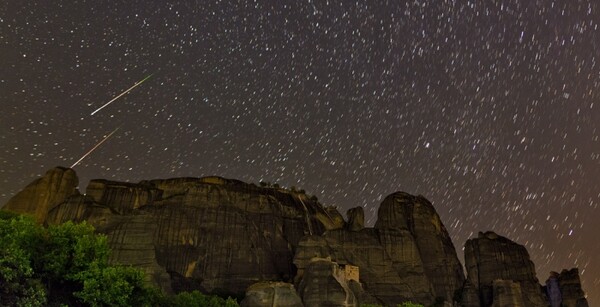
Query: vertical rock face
x=553 y=290
x=507 y=293
x=387 y=282
x=271 y=294
x=324 y=284
x=356 y=219
x=570 y=288
x=408 y=256
x=403 y=216
x=491 y=257
x=221 y=236
x=45 y=193
x=122 y=197
x=211 y=233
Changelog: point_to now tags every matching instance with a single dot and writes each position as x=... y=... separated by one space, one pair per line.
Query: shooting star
x=94 y=148
x=125 y=92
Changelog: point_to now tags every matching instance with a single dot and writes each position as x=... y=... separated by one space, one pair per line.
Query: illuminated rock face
x=45 y=193
x=408 y=256
x=212 y=234
x=222 y=236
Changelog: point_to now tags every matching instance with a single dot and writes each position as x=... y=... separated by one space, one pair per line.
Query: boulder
x=271 y=294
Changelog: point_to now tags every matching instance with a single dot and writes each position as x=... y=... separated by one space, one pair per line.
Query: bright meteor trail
x=94 y=148
x=125 y=92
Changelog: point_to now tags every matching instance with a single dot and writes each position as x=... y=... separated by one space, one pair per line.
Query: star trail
x=490 y=109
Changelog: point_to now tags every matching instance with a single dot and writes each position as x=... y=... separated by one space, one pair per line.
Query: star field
x=490 y=109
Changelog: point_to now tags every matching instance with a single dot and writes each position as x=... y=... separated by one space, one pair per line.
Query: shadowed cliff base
x=227 y=237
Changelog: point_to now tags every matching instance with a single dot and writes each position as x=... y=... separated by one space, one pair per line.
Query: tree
x=63 y=264
x=18 y=285
x=67 y=264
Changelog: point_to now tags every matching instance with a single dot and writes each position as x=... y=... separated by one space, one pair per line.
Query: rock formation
x=491 y=259
x=507 y=293
x=388 y=283
x=408 y=256
x=271 y=294
x=228 y=237
x=553 y=290
x=212 y=234
x=324 y=284
x=570 y=289
x=43 y=194
x=403 y=217
x=356 y=219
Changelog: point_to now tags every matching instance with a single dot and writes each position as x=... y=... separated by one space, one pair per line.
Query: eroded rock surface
x=356 y=219
x=221 y=236
x=491 y=257
x=403 y=218
x=570 y=288
x=507 y=293
x=271 y=294
x=408 y=256
x=324 y=284
x=387 y=282
x=211 y=233
x=45 y=193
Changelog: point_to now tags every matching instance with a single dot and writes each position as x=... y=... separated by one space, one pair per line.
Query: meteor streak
x=94 y=148
x=125 y=92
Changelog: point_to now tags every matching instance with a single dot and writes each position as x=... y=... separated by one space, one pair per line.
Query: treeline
x=67 y=264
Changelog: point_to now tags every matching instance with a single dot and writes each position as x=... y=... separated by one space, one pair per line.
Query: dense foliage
x=68 y=264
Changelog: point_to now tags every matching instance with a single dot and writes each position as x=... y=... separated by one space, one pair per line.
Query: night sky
x=490 y=109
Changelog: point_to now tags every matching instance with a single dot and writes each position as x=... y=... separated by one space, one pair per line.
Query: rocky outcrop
x=271 y=294
x=211 y=233
x=324 y=284
x=490 y=259
x=403 y=218
x=388 y=283
x=553 y=290
x=122 y=197
x=570 y=288
x=224 y=236
x=356 y=219
x=408 y=256
x=43 y=194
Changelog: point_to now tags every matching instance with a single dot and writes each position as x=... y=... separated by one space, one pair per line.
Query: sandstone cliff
x=43 y=194
x=500 y=273
x=279 y=246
